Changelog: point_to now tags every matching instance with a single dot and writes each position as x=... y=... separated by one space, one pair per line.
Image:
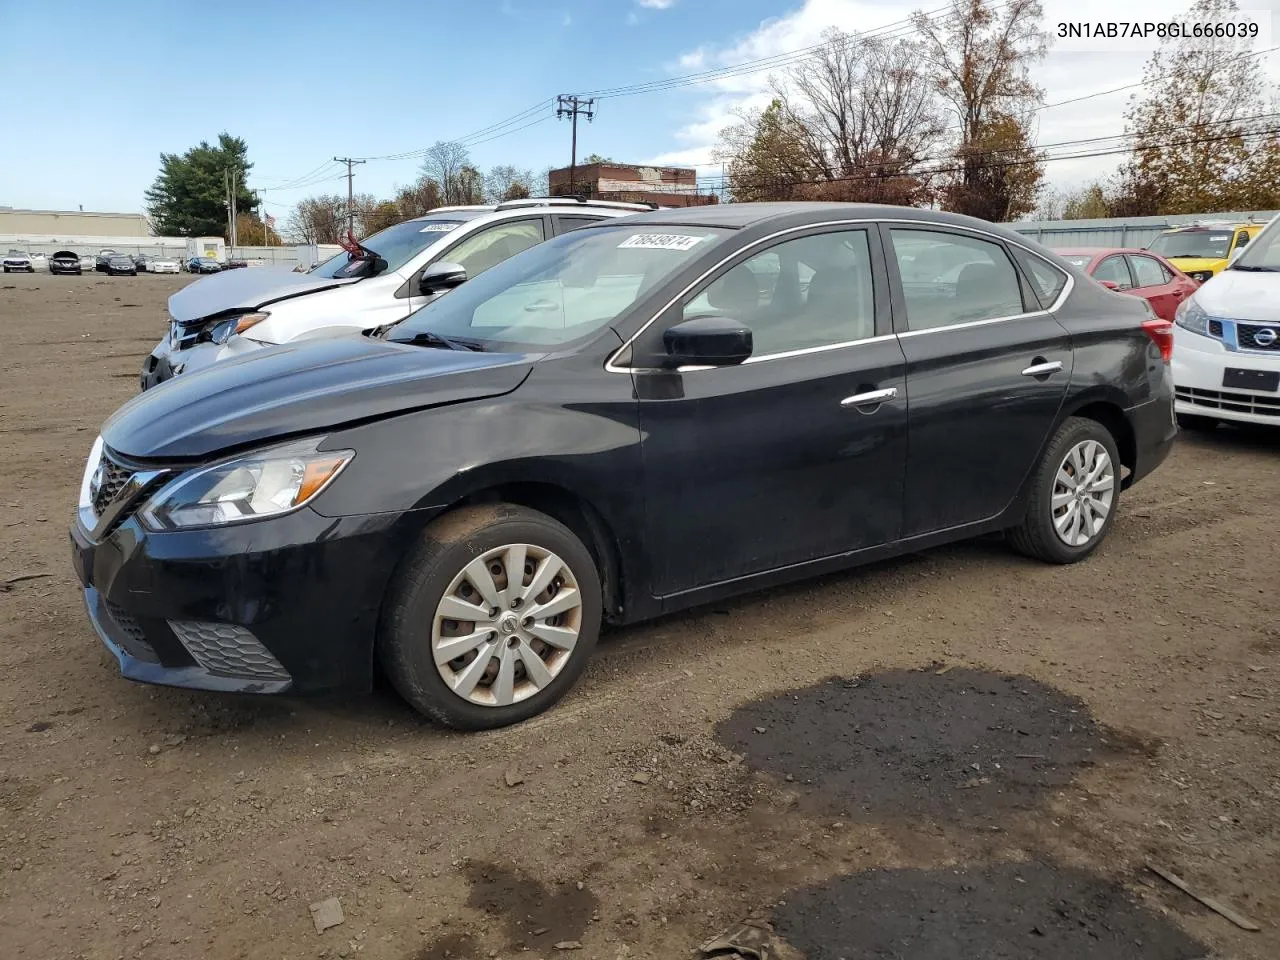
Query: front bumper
x=283 y=604
x=1199 y=365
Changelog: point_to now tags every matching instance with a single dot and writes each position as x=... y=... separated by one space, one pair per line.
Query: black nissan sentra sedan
x=628 y=419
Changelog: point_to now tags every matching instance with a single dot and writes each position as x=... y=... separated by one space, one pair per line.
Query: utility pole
x=571 y=105
x=234 y=171
x=226 y=190
x=351 y=213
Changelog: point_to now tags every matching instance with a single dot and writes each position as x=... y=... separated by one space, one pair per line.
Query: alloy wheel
x=507 y=625
x=1083 y=493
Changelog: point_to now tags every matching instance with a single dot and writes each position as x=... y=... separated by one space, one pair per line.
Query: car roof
x=1099 y=251
x=737 y=216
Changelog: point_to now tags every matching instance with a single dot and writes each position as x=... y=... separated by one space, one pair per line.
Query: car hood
x=1241 y=295
x=1189 y=264
x=16 y=256
x=244 y=290
x=299 y=388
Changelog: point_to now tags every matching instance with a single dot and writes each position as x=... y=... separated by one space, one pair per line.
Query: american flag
x=271 y=221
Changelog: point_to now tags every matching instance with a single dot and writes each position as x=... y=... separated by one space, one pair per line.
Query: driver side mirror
x=707 y=342
x=441 y=276
x=1110 y=284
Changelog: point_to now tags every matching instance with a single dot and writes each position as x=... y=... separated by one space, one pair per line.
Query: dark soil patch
x=954 y=745
x=452 y=946
x=533 y=914
x=1024 y=910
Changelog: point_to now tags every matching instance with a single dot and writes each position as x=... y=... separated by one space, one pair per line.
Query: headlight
x=228 y=328
x=258 y=485
x=1189 y=316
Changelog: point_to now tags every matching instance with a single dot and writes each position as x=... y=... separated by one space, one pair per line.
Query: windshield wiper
x=428 y=339
x=1252 y=269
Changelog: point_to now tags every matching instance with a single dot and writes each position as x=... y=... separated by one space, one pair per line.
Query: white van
x=396 y=271
x=1226 y=355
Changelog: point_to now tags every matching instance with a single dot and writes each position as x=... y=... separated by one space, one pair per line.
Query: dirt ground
x=961 y=754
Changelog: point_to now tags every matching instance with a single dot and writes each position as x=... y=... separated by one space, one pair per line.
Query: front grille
x=228 y=650
x=130 y=634
x=1247 y=336
x=1255 y=403
x=1215 y=328
x=138 y=500
x=113 y=479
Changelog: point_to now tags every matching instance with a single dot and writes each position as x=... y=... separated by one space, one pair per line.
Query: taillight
x=1161 y=334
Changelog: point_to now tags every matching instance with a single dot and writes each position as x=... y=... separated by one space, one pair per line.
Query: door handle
x=1042 y=368
x=873 y=396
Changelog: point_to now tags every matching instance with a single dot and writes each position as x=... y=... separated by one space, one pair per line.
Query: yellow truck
x=1201 y=250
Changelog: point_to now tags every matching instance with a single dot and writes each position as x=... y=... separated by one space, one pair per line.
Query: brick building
x=631 y=183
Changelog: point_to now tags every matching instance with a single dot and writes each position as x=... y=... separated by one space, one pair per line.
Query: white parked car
x=163 y=265
x=1226 y=356
x=15 y=261
x=397 y=271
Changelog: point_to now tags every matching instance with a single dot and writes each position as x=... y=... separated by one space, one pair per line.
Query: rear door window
x=950 y=278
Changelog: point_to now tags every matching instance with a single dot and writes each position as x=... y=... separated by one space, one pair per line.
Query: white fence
x=286 y=257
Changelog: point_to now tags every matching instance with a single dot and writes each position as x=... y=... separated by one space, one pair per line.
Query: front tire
x=1073 y=497
x=491 y=618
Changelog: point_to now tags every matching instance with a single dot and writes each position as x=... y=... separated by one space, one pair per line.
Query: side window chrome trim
x=972 y=323
x=612 y=367
x=804 y=351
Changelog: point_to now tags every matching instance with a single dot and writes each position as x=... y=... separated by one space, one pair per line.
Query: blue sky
x=96 y=91
x=106 y=87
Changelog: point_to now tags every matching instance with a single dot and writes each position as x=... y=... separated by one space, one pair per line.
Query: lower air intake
x=228 y=650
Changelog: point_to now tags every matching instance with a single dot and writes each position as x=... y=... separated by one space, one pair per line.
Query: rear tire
x=1078 y=477
x=522 y=674
x=1193 y=421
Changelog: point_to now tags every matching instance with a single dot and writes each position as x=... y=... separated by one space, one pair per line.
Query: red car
x=1139 y=272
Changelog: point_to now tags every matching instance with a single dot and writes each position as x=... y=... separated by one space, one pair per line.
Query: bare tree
x=854 y=122
x=318 y=219
x=505 y=182
x=444 y=162
x=980 y=60
x=866 y=106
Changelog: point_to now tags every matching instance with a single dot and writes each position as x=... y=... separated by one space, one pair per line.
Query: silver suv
x=397 y=271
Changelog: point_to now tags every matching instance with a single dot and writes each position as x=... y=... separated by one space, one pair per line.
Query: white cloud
x=566 y=20
x=1064 y=75
x=656 y=4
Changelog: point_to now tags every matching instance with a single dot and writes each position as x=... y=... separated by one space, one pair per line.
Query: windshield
x=563 y=289
x=1209 y=244
x=1263 y=253
x=397 y=245
x=1080 y=260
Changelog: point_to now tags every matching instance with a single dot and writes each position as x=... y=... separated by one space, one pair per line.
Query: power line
x=864 y=177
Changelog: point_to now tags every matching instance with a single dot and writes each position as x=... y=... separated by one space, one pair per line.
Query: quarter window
x=948 y=278
x=1114 y=270
x=813 y=291
x=488 y=248
x=1148 y=272
x=1047 y=279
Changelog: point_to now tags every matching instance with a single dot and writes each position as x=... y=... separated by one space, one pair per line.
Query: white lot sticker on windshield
x=659 y=241
x=1224 y=236
x=438 y=228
